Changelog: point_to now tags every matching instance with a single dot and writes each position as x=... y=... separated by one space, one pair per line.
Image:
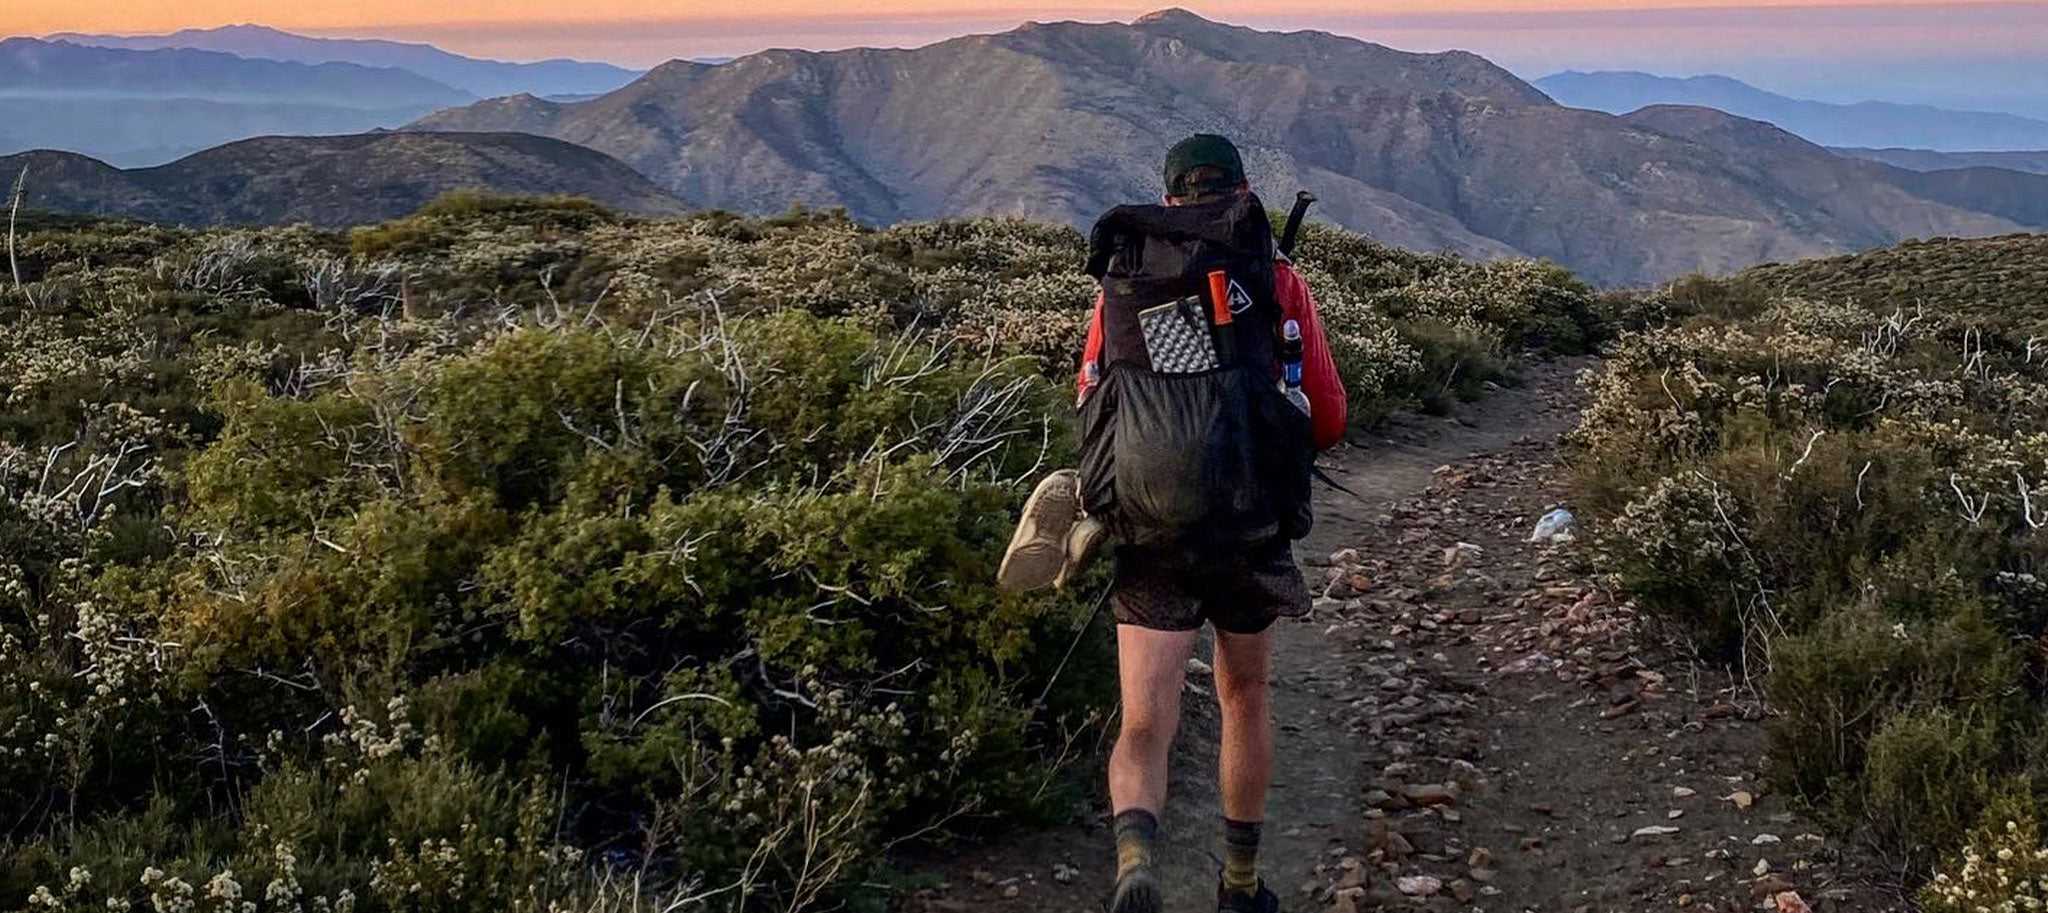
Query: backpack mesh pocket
x=1177 y=337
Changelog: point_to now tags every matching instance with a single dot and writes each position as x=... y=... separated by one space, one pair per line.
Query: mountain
x=1808 y=178
x=1930 y=160
x=137 y=108
x=335 y=180
x=1868 y=123
x=483 y=78
x=1061 y=121
x=32 y=67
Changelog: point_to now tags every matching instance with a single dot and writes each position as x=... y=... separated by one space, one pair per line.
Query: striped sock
x=1241 y=857
x=1136 y=832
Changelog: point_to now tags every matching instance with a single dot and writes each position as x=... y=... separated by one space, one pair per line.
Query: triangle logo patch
x=1240 y=300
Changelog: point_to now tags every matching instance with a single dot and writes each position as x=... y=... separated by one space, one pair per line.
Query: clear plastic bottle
x=1290 y=365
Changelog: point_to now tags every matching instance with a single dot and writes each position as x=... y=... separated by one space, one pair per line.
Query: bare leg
x=1243 y=666
x=1152 y=666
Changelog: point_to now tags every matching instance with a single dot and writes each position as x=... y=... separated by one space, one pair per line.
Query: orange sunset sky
x=1929 y=49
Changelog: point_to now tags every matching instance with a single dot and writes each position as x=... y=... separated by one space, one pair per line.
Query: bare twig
x=14 y=210
x=1804 y=456
x=2027 y=503
x=1973 y=510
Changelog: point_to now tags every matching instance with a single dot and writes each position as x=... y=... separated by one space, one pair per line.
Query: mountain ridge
x=2034 y=162
x=1867 y=124
x=1062 y=120
x=33 y=66
x=338 y=180
x=482 y=77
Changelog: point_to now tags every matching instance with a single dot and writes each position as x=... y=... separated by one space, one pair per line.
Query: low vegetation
x=1837 y=477
x=518 y=556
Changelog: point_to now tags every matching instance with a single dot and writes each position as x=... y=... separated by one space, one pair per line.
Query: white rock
x=1680 y=792
x=1557 y=526
x=1197 y=667
x=1655 y=830
x=1765 y=840
x=1419 y=885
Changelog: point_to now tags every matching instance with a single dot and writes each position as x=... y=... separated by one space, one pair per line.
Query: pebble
x=1431 y=794
x=1680 y=792
x=1419 y=885
x=1654 y=830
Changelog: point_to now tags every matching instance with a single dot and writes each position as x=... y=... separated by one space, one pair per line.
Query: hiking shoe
x=1082 y=541
x=1138 y=892
x=1260 y=901
x=1039 y=547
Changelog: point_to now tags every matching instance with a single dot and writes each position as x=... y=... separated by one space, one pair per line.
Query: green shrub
x=1844 y=498
x=398 y=569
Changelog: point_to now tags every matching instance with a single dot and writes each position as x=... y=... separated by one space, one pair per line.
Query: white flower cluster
x=2002 y=872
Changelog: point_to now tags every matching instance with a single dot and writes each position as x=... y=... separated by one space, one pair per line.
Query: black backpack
x=1186 y=440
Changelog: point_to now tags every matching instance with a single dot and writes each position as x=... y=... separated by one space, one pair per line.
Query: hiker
x=1204 y=351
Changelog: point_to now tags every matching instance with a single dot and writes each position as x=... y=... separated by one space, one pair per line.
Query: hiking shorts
x=1239 y=593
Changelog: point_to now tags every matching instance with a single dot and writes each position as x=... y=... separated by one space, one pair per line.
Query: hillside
x=1870 y=123
x=1999 y=281
x=1874 y=201
x=551 y=532
x=1930 y=160
x=1060 y=121
x=483 y=78
x=340 y=180
x=1831 y=474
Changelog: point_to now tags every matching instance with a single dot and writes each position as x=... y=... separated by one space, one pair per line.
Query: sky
x=1975 y=53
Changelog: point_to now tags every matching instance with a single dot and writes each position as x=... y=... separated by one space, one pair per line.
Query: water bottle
x=1290 y=365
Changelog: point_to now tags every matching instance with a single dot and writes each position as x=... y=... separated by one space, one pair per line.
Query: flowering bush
x=1847 y=500
x=2003 y=869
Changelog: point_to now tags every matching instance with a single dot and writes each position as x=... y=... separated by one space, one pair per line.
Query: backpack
x=1187 y=442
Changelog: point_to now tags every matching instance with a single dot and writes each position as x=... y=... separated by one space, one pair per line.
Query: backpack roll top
x=1186 y=440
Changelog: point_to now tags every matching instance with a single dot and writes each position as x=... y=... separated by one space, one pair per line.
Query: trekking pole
x=1101 y=602
x=1302 y=199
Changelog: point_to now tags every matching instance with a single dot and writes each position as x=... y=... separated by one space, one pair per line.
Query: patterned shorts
x=1239 y=593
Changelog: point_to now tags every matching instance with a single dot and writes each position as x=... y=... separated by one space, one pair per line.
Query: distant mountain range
x=335 y=180
x=145 y=100
x=481 y=78
x=1930 y=160
x=1868 y=124
x=147 y=107
x=30 y=67
x=1428 y=151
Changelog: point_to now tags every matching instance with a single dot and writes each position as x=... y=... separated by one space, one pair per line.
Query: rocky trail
x=1467 y=721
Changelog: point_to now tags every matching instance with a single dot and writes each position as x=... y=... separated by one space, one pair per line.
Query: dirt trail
x=1466 y=722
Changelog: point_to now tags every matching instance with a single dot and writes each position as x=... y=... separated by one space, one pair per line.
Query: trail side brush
x=1302 y=200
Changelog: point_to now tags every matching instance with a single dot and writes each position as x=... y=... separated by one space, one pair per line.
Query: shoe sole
x=1039 y=547
x=1138 y=893
x=1081 y=542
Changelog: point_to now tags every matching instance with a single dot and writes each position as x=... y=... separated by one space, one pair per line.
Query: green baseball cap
x=1197 y=151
